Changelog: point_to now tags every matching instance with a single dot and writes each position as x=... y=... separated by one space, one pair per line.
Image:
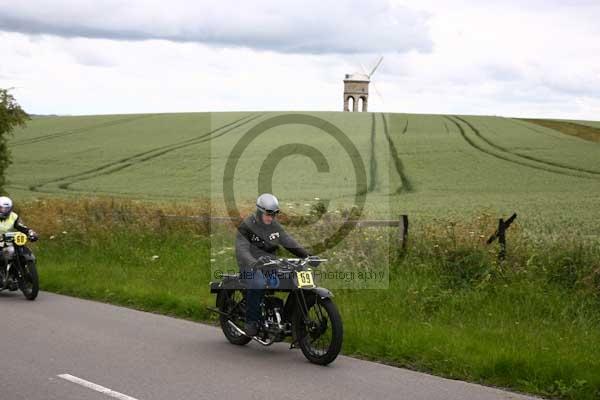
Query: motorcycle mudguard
x=321 y=292
x=291 y=303
x=27 y=254
x=228 y=283
x=215 y=287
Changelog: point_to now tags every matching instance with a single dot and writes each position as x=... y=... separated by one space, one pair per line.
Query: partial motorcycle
x=17 y=265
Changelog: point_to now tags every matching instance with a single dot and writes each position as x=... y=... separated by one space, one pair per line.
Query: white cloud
x=495 y=58
x=296 y=27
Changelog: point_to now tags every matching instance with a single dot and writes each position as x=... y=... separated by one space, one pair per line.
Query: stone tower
x=356 y=92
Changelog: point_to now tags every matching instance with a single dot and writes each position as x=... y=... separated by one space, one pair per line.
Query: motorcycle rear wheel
x=232 y=302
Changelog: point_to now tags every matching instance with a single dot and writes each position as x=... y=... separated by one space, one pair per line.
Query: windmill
x=356 y=89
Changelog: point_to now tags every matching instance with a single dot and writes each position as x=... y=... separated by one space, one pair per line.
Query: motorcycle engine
x=8 y=252
x=273 y=311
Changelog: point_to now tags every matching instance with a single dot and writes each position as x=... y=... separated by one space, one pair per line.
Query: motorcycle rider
x=10 y=222
x=257 y=240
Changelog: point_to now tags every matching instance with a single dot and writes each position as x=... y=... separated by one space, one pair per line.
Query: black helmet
x=268 y=204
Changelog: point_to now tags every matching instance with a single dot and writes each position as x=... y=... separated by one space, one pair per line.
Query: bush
x=11 y=115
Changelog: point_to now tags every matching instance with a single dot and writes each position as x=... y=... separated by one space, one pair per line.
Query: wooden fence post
x=500 y=234
x=501 y=239
x=403 y=231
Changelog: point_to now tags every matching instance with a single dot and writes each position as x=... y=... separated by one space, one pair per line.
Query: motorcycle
x=304 y=311
x=18 y=269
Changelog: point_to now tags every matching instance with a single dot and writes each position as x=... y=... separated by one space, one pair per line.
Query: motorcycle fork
x=302 y=305
x=19 y=267
x=4 y=274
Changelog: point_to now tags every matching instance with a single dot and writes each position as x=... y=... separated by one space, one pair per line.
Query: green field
x=427 y=166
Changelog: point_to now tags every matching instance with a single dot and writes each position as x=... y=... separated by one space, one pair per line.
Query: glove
x=33 y=236
x=313 y=261
x=263 y=260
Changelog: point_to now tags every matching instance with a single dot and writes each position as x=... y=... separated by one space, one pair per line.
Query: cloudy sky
x=490 y=57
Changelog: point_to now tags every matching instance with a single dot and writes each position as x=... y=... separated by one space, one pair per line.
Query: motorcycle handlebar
x=11 y=235
x=293 y=261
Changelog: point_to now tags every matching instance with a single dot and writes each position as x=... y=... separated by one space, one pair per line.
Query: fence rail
x=401 y=224
x=204 y=218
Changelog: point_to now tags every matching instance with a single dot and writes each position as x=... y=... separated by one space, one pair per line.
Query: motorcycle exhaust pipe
x=216 y=310
x=241 y=332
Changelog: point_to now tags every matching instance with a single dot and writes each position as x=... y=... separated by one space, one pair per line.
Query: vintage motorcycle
x=17 y=265
x=302 y=311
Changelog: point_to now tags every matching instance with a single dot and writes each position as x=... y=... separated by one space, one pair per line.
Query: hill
x=427 y=166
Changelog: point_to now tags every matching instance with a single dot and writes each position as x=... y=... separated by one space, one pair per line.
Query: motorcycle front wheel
x=29 y=281
x=320 y=333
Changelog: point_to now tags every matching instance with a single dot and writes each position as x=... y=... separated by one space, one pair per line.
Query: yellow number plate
x=305 y=279
x=20 y=239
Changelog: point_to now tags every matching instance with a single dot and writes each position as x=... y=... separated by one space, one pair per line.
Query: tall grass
x=530 y=322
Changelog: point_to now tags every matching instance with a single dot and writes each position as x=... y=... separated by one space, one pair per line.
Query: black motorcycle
x=302 y=311
x=18 y=270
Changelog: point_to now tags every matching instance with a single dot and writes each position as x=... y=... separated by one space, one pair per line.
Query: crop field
x=427 y=166
x=594 y=124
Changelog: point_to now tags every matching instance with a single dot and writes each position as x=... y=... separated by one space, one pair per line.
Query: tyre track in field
x=502 y=157
x=405 y=127
x=123 y=163
x=372 y=160
x=406 y=184
x=160 y=151
x=85 y=129
x=526 y=156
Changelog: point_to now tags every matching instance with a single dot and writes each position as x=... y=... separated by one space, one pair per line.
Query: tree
x=11 y=116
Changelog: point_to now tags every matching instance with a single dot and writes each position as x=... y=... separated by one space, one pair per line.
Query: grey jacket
x=255 y=239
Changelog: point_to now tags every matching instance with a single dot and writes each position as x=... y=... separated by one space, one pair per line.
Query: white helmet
x=268 y=204
x=6 y=206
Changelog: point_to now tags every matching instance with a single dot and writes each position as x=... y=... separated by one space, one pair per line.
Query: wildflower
x=52 y=237
x=155 y=257
x=64 y=232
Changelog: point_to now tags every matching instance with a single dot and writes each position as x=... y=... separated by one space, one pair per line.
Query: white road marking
x=97 y=388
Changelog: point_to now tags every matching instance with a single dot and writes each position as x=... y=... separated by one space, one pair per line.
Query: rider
x=258 y=238
x=10 y=221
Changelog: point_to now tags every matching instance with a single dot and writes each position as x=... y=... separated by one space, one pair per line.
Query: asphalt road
x=146 y=356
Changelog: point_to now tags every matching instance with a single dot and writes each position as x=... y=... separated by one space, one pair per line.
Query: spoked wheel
x=29 y=281
x=320 y=334
x=233 y=302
